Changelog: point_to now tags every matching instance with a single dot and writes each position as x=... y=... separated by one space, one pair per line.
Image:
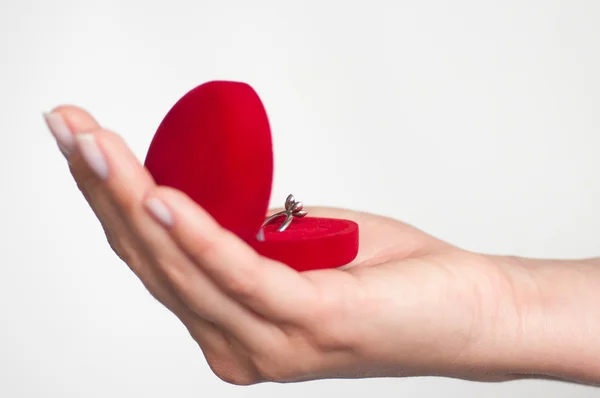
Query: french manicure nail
x=92 y=154
x=160 y=211
x=61 y=132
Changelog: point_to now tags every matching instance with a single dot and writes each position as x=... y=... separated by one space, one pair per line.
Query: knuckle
x=270 y=369
x=243 y=283
x=85 y=183
x=129 y=206
x=173 y=271
x=284 y=358
x=116 y=246
x=330 y=338
x=328 y=327
x=121 y=250
x=124 y=249
x=204 y=251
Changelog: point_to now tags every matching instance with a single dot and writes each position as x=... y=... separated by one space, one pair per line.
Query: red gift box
x=215 y=146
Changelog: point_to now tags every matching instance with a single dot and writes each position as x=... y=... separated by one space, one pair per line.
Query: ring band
x=293 y=209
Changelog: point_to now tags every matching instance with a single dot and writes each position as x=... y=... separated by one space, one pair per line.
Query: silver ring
x=293 y=209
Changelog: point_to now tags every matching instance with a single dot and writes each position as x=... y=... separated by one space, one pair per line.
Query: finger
x=65 y=122
x=269 y=288
x=201 y=294
x=124 y=179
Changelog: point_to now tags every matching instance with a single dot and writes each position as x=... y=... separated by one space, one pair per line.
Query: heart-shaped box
x=215 y=146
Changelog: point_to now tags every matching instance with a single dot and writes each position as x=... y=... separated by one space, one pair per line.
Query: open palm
x=408 y=305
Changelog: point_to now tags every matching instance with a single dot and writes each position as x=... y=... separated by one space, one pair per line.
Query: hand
x=409 y=304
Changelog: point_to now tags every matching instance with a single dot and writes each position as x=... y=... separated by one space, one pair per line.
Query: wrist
x=456 y=317
x=556 y=321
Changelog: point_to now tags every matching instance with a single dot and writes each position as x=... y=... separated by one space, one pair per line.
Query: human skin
x=409 y=305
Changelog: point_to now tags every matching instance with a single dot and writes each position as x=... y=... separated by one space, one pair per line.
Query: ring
x=293 y=209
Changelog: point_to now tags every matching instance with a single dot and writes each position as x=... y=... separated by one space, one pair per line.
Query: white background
x=476 y=121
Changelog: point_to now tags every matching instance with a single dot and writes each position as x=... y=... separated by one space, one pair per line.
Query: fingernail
x=93 y=156
x=61 y=132
x=160 y=211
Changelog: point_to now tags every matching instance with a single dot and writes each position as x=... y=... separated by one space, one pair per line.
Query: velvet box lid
x=215 y=146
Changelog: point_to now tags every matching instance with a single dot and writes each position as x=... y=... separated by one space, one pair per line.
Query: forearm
x=558 y=306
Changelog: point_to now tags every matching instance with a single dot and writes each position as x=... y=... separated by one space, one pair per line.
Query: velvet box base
x=311 y=243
